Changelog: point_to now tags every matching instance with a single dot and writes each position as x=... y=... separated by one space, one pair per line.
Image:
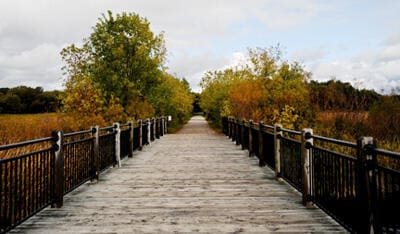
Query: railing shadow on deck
x=38 y=173
x=357 y=184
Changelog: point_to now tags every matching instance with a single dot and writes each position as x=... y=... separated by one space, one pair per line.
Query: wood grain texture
x=195 y=181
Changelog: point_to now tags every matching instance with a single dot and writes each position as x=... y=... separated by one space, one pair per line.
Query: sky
x=356 y=41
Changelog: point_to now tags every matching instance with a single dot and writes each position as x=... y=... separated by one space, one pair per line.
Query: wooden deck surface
x=190 y=182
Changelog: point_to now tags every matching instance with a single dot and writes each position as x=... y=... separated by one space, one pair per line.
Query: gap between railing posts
x=250 y=137
x=261 y=162
x=239 y=130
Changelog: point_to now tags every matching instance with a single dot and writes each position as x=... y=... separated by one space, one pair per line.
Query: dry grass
x=24 y=127
x=16 y=128
x=329 y=117
x=354 y=125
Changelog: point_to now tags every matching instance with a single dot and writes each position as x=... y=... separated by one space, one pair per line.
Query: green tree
x=172 y=97
x=11 y=103
x=121 y=62
x=127 y=55
x=215 y=95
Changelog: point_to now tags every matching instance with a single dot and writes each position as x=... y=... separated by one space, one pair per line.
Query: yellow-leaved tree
x=263 y=88
x=119 y=74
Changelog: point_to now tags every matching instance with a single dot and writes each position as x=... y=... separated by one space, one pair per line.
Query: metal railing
x=26 y=182
x=357 y=184
x=38 y=173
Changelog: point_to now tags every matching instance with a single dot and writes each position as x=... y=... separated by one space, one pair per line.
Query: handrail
x=59 y=167
x=335 y=141
x=25 y=143
x=351 y=184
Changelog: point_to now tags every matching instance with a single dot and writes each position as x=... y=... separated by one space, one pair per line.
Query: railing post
x=261 y=145
x=140 y=123
x=58 y=193
x=238 y=131
x=306 y=145
x=234 y=132
x=131 y=133
x=153 y=128
x=158 y=128
x=229 y=127
x=148 y=131
x=96 y=153
x=117 y=129
x=166 y=125
x=367 y=181
x=243 y=127
x=251 y=124
x=277 y=142
x=231 y=124
x=162 y=126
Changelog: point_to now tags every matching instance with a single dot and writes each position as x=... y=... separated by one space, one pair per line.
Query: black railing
x=37 y=173
x=335 y=182
x=387 y=191
x=268 y=147
x=78 y=159
x=107 y=151
x=124 y=143
x=136 y=138
x=291 y=166
x=254 y=129
x=26 y=181
x=355 y=183
x=152 y=130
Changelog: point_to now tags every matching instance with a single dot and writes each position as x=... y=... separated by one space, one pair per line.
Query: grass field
x=22 y=127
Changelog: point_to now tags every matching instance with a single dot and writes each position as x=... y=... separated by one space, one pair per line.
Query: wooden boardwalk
x=193 y=181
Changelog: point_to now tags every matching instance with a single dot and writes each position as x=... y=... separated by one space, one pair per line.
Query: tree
x=262 y=88
x=121 y=63
x=384 y=118
x=11 y=103
x=23 y=99
x=215 y=95
x=172 y=97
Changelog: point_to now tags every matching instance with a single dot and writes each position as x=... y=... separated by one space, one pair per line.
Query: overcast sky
x=352 y=40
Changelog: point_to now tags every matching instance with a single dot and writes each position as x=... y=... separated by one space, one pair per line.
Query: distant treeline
x=335 y=95
x=23 y=99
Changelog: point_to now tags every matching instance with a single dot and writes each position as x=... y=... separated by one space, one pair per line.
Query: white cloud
x=37 y=67
x=33 y=32
x=378 y=70
x=309 y=54
x=193 y=67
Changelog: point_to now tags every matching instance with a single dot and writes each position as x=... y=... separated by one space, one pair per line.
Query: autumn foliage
x=264 y=88
x=119 y=74
x=269 y=89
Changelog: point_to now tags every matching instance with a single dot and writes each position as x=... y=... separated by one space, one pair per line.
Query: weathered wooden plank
x=194 y=181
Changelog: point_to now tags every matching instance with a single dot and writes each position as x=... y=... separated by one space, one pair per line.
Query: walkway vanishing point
x=189 y=182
